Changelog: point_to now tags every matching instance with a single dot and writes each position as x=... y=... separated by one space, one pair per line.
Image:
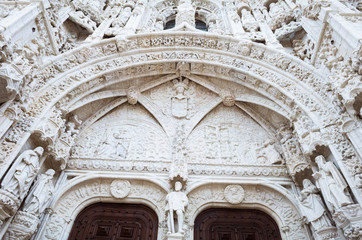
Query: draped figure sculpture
x=176 y=203
x=332 y=185
x=25 y=171
x=26 y=221
x=312 y=206
x=40 y=193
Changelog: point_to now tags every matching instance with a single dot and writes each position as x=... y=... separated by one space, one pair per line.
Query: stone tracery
x=184 y=85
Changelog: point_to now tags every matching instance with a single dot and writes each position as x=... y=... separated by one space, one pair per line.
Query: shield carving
x=179 y=106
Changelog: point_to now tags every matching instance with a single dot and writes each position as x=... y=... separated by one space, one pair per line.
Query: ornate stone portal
x=129 y=99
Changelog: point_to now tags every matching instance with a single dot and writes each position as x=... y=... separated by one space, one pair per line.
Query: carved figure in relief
x=176 y=203
x=268 y=152
x=332 y=184
x=25 y=172
x=179 y=102
x=39 y=195
x=121 y=144
x=312 y=206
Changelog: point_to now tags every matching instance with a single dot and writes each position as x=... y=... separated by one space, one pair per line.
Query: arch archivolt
x=83 y=191
x=284 y=80
x=275 y=201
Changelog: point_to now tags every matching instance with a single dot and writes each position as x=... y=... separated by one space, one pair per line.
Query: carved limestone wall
x=83 y=191
x=275 y=201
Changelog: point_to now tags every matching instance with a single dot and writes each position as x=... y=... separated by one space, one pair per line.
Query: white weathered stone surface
x=124 y=109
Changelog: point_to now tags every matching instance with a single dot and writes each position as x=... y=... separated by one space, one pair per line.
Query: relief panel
x=128 y=133
x=228 y=136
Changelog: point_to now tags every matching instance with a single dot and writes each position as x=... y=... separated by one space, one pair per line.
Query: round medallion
x=120 y=188
x=234 y=194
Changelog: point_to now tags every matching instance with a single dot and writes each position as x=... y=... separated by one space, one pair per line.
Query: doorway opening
x=235 y=224
x=113 y=221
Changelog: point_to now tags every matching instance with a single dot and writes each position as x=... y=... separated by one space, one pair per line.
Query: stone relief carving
x=269 y=198
x=26 y=221
x=179 y=103
x=120 y=188
x=234 y=194
x=72 y=199
x=332 y=184
x=187 y=96
x=15 y=186
x=65 y=72
x=312 y=206
x=186 y=13
x=216 y=140
x=123 y=142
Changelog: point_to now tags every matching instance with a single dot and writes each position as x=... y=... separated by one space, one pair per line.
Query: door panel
x=235 y=224
x=109 y=221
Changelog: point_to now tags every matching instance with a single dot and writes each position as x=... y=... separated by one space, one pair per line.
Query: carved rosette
x=120 y=188
x=234 y=194
x=22 y=227
x=227 y=96
x=132 y=95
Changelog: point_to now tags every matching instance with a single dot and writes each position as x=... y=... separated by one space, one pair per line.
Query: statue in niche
x=312 y=206
x=179 y=103
x=176 y=203
x=39 y=195
x=25 y=172
x=332 y=184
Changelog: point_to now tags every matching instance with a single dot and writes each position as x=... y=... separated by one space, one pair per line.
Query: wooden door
x=110 y=221
x=235 y=224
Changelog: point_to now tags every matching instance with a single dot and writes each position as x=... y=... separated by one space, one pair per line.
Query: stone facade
x=116 y=101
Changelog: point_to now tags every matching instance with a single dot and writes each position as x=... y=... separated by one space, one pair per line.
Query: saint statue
x=40 y=194
x=176 y=203
x=332 y=184
x=312 y=206
x=25 y=171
